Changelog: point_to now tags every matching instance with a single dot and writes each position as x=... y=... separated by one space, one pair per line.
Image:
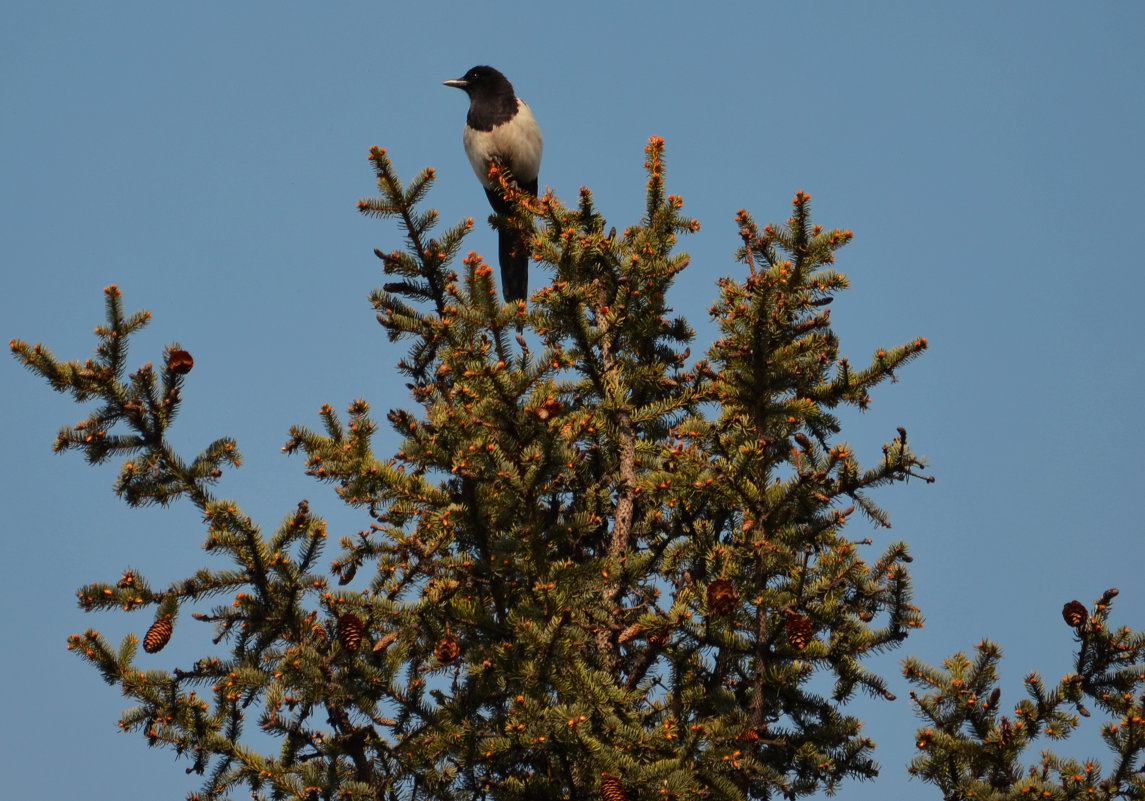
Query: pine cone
x=550 y=408
x=300 y=515
x=446 y=649
x=346 y=572
x=611 y=788
x=180 y=361
x=158 y=635
x=1005 y=732
x=1075 y=614
x=798 y=630
x=350 y=630
x=318 y=632
x=722 y=598
x=386 y=641
x=749 y=735
x=629 y=633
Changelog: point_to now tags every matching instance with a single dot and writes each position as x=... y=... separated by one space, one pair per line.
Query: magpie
x=500 y=126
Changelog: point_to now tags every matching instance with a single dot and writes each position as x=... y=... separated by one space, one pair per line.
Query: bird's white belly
x=521 y=138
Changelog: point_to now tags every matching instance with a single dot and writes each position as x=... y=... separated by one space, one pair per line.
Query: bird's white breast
x=517 y=143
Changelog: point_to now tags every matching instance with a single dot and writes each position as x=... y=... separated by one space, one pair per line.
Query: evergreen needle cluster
x=593 y=568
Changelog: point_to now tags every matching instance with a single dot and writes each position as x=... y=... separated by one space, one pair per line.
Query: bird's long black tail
x=512 y=250
x=514 y=259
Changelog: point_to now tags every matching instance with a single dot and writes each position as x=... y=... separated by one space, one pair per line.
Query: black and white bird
x=500 y=126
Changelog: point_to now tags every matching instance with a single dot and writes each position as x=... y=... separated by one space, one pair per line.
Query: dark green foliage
x=592 y=566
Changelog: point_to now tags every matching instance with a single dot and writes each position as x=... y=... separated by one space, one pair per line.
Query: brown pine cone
x=158 y=635
x=798 y=630
x=1075 y=614
x=350 y=630
x=722 y=598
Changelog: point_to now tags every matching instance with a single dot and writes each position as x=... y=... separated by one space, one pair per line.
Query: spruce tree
x=592 y=569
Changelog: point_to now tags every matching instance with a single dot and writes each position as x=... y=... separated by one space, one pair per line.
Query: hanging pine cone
x=798 y=630
x=722 y=598
x=158 y=635
x=446 y=649
x=611 y=788
x=346 y=572
x=350 y=630
x=1075 y=614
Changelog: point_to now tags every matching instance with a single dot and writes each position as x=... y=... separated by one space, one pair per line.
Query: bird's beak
x=456 y=83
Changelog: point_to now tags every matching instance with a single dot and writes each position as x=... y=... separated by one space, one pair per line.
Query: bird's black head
x=483 y=83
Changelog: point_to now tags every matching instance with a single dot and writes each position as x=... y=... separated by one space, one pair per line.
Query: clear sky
x=207 y=158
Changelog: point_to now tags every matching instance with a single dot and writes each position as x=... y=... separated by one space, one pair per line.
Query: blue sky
x=207 y=158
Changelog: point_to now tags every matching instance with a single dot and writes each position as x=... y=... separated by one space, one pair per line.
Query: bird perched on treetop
x=500 y=126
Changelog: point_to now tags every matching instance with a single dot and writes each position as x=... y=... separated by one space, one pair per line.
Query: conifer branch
x=969 y=747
